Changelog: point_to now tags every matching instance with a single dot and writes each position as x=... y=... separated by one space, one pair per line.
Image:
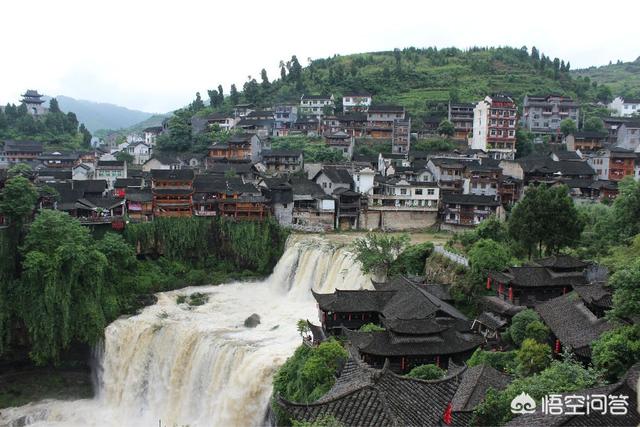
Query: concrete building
x=317 y=105
x=151 y=134
x=494 y=127
x=542 y=114
x=356 y=102
x=629 y=135
x=625 y=107
x=461 y=115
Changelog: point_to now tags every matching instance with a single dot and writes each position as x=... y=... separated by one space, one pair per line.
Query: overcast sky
x=154 y=55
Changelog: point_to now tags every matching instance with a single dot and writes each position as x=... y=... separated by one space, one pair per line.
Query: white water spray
x=199 y=366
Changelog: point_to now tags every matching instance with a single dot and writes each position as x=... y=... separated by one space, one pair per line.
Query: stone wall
x=396 y=220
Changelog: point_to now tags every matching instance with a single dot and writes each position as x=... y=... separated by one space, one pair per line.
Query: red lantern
x=447 y=418
x=510 y=294
x=557 y=348
x=488 y=283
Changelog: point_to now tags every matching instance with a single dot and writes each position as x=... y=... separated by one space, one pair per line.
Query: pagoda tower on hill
x=33 y=100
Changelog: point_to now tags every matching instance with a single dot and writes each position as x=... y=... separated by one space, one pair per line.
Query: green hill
x=419 y=79
x=623 y=77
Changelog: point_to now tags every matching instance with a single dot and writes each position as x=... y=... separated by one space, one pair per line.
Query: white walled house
x=625 y=107
x=317 y=104
x=363 y=180
x=494 y=127
x=82 y=172
x=356 y=102
x=140 y=151
x=151 y=134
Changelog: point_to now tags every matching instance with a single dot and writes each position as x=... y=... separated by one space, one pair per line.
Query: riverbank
x=30 y=385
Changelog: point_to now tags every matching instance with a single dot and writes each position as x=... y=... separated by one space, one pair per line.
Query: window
x=431 y=191
x=418 y=191
x=403 y=191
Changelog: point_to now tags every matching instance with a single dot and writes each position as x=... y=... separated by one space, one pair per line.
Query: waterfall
x=175 y=364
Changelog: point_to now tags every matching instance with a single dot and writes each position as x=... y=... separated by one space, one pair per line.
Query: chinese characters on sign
x=572 y=404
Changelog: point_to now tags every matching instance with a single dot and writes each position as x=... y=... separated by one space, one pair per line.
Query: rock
x=252 y=321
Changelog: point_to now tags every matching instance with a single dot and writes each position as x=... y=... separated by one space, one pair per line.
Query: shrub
x=426 y=372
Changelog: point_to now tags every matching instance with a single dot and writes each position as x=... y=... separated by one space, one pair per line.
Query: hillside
x=623 y=78
x=419 y=79
x=97 y=115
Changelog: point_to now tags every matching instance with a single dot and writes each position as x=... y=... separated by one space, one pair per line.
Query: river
x=177 y=365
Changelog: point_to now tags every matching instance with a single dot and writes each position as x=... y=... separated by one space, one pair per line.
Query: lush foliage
x=617 y=350
x=411 y=260
x=377 y=251
x=487 y=255
x=519 y=329
x=310 y=372
x=559 y=377
x=503 y=361
x=427 y=372
x=55 y=127
x=545 y=219
x=371 y=327
x=314 y=149
x=532 y=357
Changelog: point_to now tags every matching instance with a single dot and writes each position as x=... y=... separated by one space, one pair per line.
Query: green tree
x=411 y=261
x=371 y=327
x=377 y=251
x=53 y=106
x=123 y=156
x=86 y=136
x=18 y=199
x=234 y=96
x=520 y=323
x=61 y=287
x=532 y=357
x=560 y=377
x=197 y=103
x=426 y=372
x=265 y=80
x=568 y=127
x=503 y=361
x=537 y=331
x=626 y=291
x=617 y=350
x=545 y=218
x=446 y=128
x=524 y=142
x=484 y=256
x=593 y=124
x=625 y=218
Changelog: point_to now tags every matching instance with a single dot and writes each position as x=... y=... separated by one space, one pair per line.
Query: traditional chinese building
x=419 y=327
x=172 y=192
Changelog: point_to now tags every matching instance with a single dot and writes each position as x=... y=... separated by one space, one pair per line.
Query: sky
x=154 y=55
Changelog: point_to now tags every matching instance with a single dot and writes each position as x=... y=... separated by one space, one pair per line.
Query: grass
x=20 y=388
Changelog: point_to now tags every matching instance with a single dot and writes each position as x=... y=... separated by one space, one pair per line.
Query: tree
x=397 y=56
x=559 y=377
x=234 y=96
x=265 y=80
x=617 y=350
x=503 y=361
x=123 y=156
x=426 y=372
x=625 y=218
x=537 y=331
x=532 y=357
x=377 y=251
x=593 y=124
x=197 y=103
x=535 y=56
x=446 y=128
x=547 y=218
x=303 y=327
x=524 y=144
x=604 y=94
x=62 y=286
x=53 y=106
x=86 y=136
x=18 y=200
x=370 y=327
x=626 y=291
x=484 y=256
x=213 y=97
x=519 y=324
x=568 y=127
x=220 y=95
x=412 y=260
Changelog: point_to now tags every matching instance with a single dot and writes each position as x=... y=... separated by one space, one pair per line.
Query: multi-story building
x=542 y=114
x=461 y=116
x=401 y=137
x=239 y=147
x=629 y=135
x=317 y=105
x=110 y=170
x=625 y=107
x=467 y=209
x=20 y=151
x=140 y=151
x=151 y=135
x=356 y=102
x=586 y=141
x=483 y=179
x=494 y=127
x=288 y=161
x=613 y=164
x=285 y=115
x=172 y=192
